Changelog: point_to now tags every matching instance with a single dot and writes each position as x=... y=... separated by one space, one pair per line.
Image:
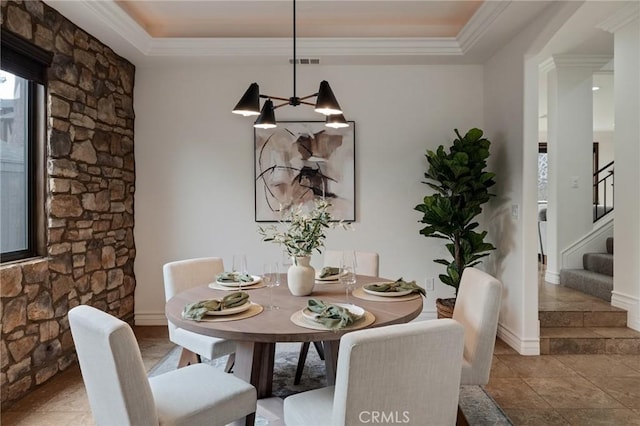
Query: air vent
x=306 y=61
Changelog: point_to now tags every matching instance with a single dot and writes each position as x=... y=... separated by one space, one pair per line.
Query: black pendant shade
x=326 y=102
x=267 y=118
x=336 y=121
x=249 y=104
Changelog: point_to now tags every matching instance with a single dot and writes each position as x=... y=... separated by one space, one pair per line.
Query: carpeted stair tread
x=588 y=282
x=601 y=263
x=610 y=245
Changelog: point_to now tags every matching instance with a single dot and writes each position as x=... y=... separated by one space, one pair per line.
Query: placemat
x=298 y=319
x=217 y=286
x=360 y=294
x=254 y=310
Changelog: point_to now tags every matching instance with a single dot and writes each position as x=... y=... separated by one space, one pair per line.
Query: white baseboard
x=522 y=346
x=629 y=303
x=552 y=277
x=149 y=318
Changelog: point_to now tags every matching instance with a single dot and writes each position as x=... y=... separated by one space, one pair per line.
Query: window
x=22 y=111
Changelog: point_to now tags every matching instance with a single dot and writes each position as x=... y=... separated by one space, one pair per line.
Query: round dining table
x=256 y=337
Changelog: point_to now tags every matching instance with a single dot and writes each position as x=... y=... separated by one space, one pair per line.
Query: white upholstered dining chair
x=408 y=371
x=121 y=394
x=182 y=275
x=477 y=309
x=367 y=263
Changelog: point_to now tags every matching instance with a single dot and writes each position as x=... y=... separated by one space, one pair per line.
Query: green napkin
x=233 y=277
x=328 y=271
x=398 y=285
x=197 y=310
x=332 y=316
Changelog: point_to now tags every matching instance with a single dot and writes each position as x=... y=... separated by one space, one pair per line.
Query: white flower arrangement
x=305 y=232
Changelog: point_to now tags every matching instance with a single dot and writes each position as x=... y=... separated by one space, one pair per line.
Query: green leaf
x=461 y=183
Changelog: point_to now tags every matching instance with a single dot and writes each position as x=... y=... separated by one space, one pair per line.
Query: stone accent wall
x=89 y=207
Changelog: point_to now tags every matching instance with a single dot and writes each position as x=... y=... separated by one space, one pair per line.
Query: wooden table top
x=276 y=325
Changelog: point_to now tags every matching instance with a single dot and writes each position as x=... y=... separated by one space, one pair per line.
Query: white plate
x=335 y=277
x=231 y=311
x=356 y=310
x=386 y=293
x=256 y=280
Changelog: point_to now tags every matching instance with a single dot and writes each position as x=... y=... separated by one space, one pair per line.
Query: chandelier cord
x=294 y=51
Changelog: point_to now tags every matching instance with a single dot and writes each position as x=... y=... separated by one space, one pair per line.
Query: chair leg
x=187 y=358
x=230 y=362
x=301 y=360
x=320 y=349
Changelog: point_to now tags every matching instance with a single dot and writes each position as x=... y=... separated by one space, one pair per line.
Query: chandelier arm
x=281 y=105
x=307 y=97
x=307 y=103
x=274 y=97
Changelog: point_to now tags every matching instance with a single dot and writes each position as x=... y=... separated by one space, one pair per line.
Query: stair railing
x=602 y=199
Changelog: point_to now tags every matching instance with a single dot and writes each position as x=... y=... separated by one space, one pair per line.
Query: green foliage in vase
x=461 y=186
x=305 y=231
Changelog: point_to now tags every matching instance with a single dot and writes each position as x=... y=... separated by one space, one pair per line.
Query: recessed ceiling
x=314 y=18
x=338 y=32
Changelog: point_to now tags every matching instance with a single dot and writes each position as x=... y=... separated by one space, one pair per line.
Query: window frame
x=30 y=62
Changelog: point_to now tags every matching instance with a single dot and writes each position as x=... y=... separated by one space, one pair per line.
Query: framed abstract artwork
x=299 y=162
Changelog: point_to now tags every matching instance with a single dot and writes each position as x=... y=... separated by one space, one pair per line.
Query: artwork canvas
x=299 y=162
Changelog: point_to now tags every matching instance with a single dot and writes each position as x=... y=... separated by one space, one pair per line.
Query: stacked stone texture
x=90 y=171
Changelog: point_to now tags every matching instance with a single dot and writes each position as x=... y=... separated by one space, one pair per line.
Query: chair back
x=182 y=275
x=477 y=309
x=367 y=263
x=406 y=373
x=112 y=369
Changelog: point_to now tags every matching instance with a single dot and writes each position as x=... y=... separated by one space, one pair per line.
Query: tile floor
x=532 y=390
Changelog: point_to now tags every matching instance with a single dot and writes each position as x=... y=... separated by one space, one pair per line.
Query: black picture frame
x=299 y=162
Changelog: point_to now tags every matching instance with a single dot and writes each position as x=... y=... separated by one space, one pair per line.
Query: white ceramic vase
x=301 y=276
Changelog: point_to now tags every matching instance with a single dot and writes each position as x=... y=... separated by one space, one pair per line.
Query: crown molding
x=594 y=62
x=479 y=23
x=304 y=47
x=108 y=13
x=620 y=18
x=546 y=65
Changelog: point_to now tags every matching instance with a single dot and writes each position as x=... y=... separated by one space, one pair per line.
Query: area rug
x=478 y=407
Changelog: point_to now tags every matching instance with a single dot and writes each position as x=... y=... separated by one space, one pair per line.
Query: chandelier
x=326 y=103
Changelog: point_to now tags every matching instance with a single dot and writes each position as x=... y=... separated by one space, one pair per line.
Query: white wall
x=194 y=159
x=626 y=286
x=570 y=150
x=511 y=117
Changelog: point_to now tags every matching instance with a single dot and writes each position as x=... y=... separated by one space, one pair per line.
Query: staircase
x=576 y=317
x=596 y=278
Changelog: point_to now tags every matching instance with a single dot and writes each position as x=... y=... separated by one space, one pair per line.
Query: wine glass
x=271 y=278
x=347 y=276
x=240 y=267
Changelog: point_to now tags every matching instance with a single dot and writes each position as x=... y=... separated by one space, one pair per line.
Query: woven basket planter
x=445 y=307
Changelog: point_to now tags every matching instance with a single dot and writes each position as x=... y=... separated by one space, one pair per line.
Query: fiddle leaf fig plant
x=461 y=186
